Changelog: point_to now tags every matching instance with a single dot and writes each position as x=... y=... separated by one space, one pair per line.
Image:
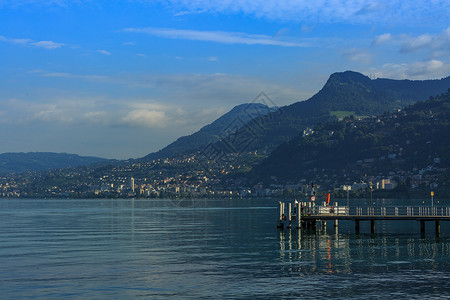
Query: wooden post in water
x=289 y=214
x=280 y=208
x=281 y=214
x=336 y=211
x=372 y=226
x=299 y=215
x=422 y=226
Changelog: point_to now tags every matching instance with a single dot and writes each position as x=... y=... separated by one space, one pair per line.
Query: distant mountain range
x=220 y=128
x=344 y=94
x=405 y=143
x=41 y=161
x=251 y=127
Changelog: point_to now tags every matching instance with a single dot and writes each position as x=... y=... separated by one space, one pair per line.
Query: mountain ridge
x=350 y=92
x=18 y=162
x=230 y=121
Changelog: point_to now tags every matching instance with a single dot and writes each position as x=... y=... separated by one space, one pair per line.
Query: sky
x=122 y=79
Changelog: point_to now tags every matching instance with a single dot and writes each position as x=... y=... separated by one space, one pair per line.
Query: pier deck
x=311 y=214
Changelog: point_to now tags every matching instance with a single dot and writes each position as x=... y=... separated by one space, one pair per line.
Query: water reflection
x=321 y=252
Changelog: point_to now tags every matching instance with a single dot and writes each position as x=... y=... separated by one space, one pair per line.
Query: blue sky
x=121 y=79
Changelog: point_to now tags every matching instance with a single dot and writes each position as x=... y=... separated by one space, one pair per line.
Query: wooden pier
x=310 y=214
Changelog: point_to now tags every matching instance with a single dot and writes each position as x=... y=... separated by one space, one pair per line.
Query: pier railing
x=400 y=211
x=419 y=211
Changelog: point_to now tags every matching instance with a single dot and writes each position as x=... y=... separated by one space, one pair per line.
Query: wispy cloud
x=216 y=36
x=60 y=3
x=410 y=43
x=382 y=39
x=47 y=44
x=351 y=11
x=178 y=94
x=97 y=78
x=417 y=70
x=371 y=7
x=15 y=41
x=104 y=52
x=358 y=55
x=30 y=42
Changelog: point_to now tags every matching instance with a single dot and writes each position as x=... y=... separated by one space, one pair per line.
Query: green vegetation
x=340 y=114
x=410 y=145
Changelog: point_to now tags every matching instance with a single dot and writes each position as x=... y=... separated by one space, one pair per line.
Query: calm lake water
x=160 y=249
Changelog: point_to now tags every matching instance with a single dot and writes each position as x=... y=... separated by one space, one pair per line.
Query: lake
x=162 y=249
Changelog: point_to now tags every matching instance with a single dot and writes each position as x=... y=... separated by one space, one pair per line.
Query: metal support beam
x=438 y=227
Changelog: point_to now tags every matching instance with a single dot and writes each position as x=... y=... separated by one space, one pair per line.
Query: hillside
x=40 y=161
x=344 y=94
x=231 y=121
x=408 y=144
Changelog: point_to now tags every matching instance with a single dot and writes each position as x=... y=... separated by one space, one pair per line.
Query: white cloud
x=381 y=39
x=104 y=52
x=216 y=36
x=15 y=41
x=94 y=111
x=96 y=78
x=47 y=44
x=30 y=42
x=372 y=7
x=410 y=43
x=146 y=118
x=179 y=99
x=425 y=68
x=418 y=70
x=358 y=55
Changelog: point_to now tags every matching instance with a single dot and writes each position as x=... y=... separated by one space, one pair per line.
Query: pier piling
x=299 y=215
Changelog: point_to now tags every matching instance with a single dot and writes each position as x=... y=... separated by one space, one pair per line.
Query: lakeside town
x=186 y=177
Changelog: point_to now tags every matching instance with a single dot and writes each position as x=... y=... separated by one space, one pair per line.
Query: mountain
x=410 y=143
x=231 y=121
x=344 y=94
x=40 y=161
